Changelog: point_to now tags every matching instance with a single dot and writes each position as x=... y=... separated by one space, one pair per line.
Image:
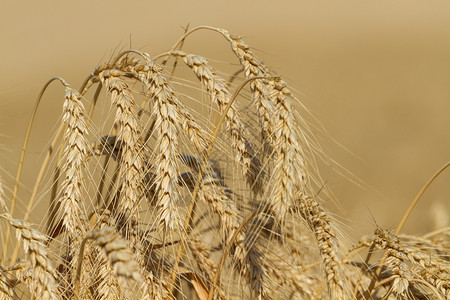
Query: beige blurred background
x=375 y=74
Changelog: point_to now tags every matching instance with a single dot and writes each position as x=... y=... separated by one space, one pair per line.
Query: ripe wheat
x=208 y=195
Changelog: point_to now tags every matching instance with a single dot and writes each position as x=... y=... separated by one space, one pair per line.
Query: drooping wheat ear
x=279 y=129
x=248 y=262
x=150 y=74
x=320 y=224
x=169 y=114
x=129 y=135
x=260 y=89
x=289 y=172
x=166 y=121
x=219 y=201
x=34 y=243
x=77 y=147
x=220 y=96
x=427 y=266
x=246 y=256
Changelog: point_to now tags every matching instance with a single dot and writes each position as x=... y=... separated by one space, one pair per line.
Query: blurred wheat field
x=374 y=77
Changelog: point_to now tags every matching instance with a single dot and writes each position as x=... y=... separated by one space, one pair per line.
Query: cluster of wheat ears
x=165 y=188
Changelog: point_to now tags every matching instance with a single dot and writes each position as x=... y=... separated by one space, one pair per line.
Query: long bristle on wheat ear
x=200 y=187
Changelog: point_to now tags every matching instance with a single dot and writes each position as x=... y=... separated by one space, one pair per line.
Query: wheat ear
x=151 y=75
x=427 y=267
x=220 y=96
x=167 y=118
x=76 y=150
x=129 y=135
x=34 y=243
x=105 y=284
x=327 y=242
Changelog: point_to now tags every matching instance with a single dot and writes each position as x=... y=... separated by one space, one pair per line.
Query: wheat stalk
x=76 y=151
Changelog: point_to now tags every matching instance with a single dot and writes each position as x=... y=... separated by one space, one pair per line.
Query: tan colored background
x=376 y=74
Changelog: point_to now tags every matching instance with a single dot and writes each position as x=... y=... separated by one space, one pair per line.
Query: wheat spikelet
x=117 y=251
x=219 y=94
x=150 y=74
x=76 y=150
x=104 y=284
x=156 y=288
x=131 y=163
x=43 y=274
x=287 y=276
x=327 y=242
x=201 y=254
